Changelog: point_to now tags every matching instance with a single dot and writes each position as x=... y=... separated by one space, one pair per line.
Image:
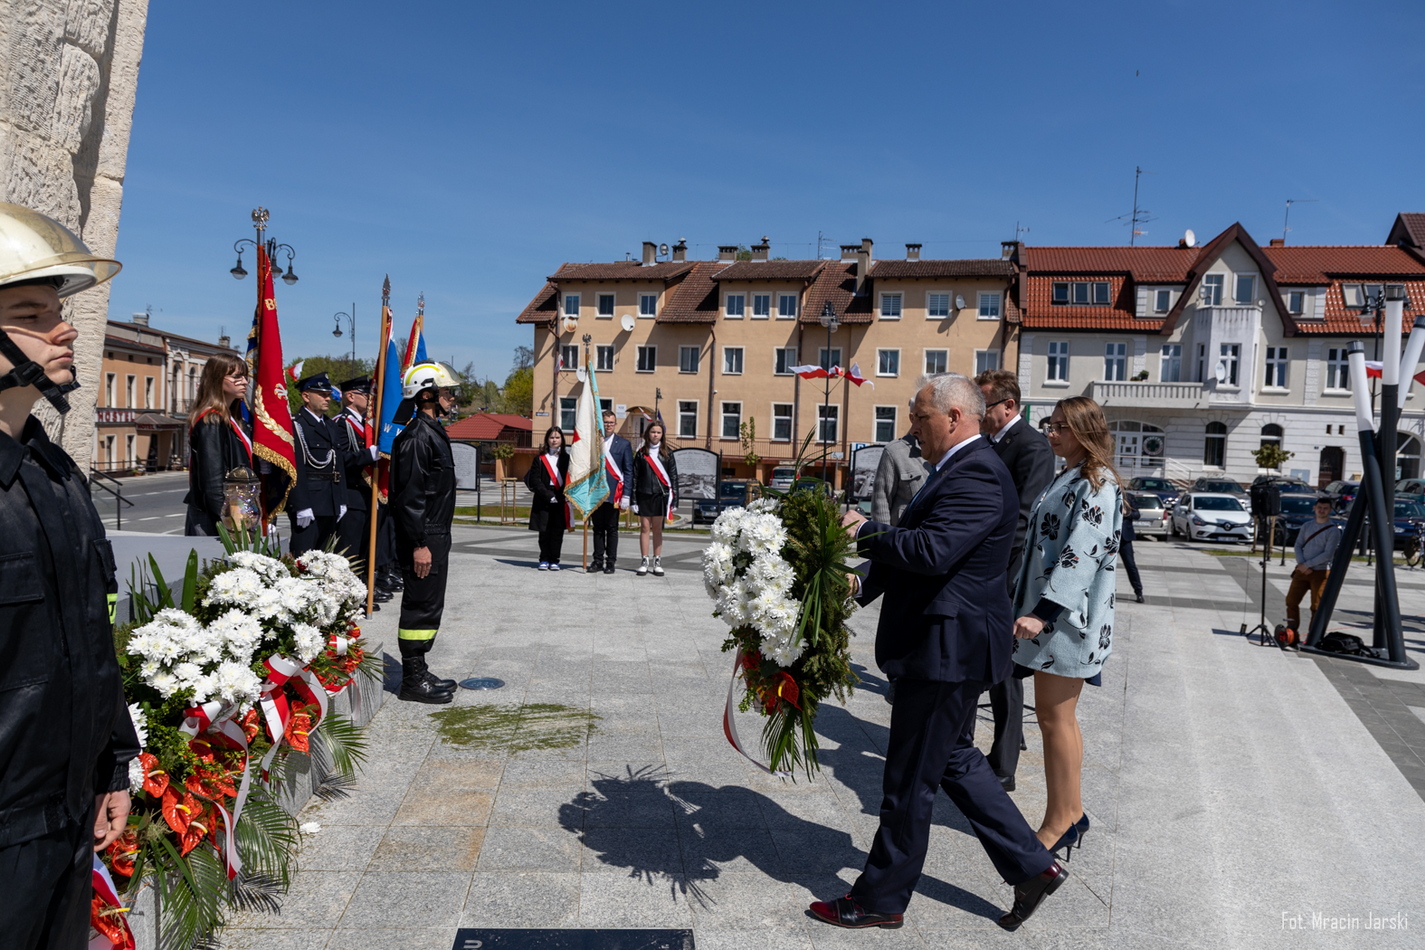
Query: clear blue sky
x=467 y=149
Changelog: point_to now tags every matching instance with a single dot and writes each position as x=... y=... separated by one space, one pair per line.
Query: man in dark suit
x=944 y=635
x=618 y=469
x=318 y=498
x=1026 y=453
x=357 y=439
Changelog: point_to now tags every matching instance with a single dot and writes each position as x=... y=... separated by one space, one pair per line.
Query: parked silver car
x=1152 y=515
x=1211 y=516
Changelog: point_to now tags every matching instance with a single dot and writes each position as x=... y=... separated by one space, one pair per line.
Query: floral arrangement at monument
x=777 y=573
x=226 y=675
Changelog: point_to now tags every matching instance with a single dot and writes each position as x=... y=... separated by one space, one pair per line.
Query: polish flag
x=1373 y=371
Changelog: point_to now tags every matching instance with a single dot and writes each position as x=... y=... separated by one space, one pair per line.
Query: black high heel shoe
x=1073 y=838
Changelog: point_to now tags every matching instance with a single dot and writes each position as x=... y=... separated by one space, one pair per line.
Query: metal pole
x=825 y=405
x=353 y=337
x=376 y=472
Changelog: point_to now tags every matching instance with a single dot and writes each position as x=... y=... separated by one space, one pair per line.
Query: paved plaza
x=1241 y=797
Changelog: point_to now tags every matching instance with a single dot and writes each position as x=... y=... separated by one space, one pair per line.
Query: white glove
x=305 y=517
x=635 y=509
x=623 y=503
x=375 y=453
x=341 y=514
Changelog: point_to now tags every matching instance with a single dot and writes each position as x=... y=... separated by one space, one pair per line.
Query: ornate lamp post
x=336 y=331
x=829 y=320
x=259 y=224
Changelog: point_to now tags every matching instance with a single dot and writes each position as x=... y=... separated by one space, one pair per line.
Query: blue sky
x=467 y=149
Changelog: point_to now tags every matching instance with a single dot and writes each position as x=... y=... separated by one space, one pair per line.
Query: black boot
x=446 y=686
x=391 y=579
x=415 y=685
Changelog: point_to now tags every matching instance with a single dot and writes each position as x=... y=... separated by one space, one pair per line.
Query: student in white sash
x=618 y=469
x=655 y=495
x=549 y=512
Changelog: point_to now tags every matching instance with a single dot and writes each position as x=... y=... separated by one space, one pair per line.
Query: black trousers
x=1125 y=557
x=313 y=537
x=932 y=744
x=423 y=601
x=1007 y=705
x=551 y=538
x=47 y=888
x=199 y=524
x=605 y=522
x=353 y=536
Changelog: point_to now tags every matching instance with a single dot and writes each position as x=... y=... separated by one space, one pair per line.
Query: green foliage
x=1271 y=455
x=518 y=395
x=503 y=450
x=338 y=369
x=747 y=432
x=512 y=729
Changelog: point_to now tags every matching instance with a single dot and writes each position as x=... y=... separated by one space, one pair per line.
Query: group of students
x=645 y=480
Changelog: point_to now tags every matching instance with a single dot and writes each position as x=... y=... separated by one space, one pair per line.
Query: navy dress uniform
x=318 y=498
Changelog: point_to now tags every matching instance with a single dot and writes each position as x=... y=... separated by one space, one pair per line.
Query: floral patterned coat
x=1071 y=553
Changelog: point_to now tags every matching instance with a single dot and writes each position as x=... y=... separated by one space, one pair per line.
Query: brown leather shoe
x=844 y=912
x=1029 y=895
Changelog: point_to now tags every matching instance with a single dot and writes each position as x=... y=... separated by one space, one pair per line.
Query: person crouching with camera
x=1316 y=544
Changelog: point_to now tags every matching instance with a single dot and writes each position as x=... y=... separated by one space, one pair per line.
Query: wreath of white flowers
x=749 y=580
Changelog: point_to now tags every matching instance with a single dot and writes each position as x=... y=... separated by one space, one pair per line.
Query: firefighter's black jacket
x=65 y=732
x=422 y=482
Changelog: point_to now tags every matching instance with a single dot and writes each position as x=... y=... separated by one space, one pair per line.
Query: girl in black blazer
x=548 y=512
x=655 y=494
x=217 y=443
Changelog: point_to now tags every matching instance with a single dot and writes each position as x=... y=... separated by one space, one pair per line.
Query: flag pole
x=376 y=469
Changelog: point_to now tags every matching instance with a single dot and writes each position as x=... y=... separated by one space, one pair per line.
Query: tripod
x=1261 y=629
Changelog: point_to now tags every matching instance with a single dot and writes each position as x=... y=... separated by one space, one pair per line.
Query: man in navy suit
x=618 y=469
x=944 y=636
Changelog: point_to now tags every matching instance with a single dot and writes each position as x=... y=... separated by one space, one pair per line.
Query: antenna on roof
x=1018 y=230
x=1139 y=215
x=1287 y=217
x=821 y=239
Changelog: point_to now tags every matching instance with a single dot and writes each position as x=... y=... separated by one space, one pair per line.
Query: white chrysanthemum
x=764 y=505
x=782 y=652
x=309 y=641
x=238 y=632
x=140 y=722
x=267 y=605
x=728 y=524
x=135 y=776
x=293 y=595
x=763 y=536
x=205 y=687
x=166 y=683
x=237 y=586
x=268 y=568
x=236 y=683
x=187 y=671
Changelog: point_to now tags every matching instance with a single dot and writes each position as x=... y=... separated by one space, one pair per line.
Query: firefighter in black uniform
x=318 y=498
x=423 y=506
x=65 y=733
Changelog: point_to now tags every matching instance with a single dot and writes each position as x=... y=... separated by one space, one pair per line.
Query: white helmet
x=33 y=245
x=428 y=375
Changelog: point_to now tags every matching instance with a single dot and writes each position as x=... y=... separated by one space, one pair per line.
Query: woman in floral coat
x=1064 y=601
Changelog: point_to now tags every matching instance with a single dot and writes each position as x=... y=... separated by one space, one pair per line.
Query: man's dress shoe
x=1029 y=895
x=844 y=912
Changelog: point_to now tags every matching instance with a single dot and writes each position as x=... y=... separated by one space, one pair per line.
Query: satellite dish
x=570 y=324
x=581 y=374
x=627 y=323
x=959 y=302
x=1189 y=238
x=1220 y=371
x=663 y=249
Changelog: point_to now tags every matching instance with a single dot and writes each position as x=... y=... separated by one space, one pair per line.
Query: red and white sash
x=662 y=474
x=616 y=495
x=557 y=482
x=236 y=427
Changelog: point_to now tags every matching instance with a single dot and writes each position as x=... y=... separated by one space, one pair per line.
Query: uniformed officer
x=65 y=733
x=423 y=507
x=318 y=499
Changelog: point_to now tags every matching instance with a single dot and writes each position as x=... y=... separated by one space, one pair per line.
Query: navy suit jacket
x=946 y=615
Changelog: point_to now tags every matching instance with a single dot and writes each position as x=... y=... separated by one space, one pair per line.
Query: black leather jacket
x=214 y=449
x=646 y=483
x=65 y=732
x=422 y=482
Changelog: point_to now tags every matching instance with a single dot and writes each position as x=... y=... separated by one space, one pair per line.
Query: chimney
x=727 y=252
x=680 y=250
x=863 y=266
x=650 y=253
x=225 y=341
x=760 y=251
x=141 y=319
x=849 y=251
x=912 y=252
x=1277 y=242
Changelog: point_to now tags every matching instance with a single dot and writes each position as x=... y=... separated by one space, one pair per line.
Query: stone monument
x=70 y=71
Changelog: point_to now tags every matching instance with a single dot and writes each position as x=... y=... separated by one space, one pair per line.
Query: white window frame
x=130 y=390
x=602 y=365
x=1170 y=355
x=564 y=350
x=1115 y=357
x=932 y=312
x=1239 y=280
x=892 y=305
x=1231 y=354
x=647 y=310
x=1212 y=288
x=877 y=421
x=731 y=354
x=685 y=416
x=129 y=442
x=148 y=392
x=1296 y=302
x=782 y=298
x=1162 y=300
x=828 y=414
x=571 y=306
x=944 y=355
x=780 y=417
x=697 y=361
x=647 y=356
x=1278 y=359
x=895 y=354
x=734 y=306
x=1338 y=370
x=599 y=305
x=1058 y=361
x=824 y=354
x=982 y=360
x=980 y=305
x=762 y=303
x=568 y=412
x=786 y=356
x=724 y=416
x=109 y=380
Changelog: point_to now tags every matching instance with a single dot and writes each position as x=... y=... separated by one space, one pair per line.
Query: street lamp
x=259 y=224
x=336 y=331
x=827 y=319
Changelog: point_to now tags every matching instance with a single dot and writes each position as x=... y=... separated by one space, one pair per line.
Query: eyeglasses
x=991 y=405
x=1049 y=428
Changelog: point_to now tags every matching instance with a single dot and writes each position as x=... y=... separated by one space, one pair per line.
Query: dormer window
x=1095 y=293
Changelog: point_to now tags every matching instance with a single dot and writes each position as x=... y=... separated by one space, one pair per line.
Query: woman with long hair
x=549 y=512
x=1063 y=600
x=655 y=495
x=217 y=443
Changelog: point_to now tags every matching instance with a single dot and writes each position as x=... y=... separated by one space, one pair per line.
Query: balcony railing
x=1146 y=395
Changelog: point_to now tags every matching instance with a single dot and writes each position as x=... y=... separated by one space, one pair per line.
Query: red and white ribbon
x=104 y=888
x=616 y=495
x=729 y=720
x=662 y=474
x=557 y=482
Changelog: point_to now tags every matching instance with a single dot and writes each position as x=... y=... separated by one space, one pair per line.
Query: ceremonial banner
x=588 y=484
x=389 y=384
x=272 y=441
x=416 y=343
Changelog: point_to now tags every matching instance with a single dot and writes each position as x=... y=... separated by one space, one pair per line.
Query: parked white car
x=1152 y=518
x=1211 y=516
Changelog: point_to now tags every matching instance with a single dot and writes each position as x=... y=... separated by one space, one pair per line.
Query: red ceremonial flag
x=272 y=440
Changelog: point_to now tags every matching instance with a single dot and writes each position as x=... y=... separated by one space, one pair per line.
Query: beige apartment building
x=711 y=345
